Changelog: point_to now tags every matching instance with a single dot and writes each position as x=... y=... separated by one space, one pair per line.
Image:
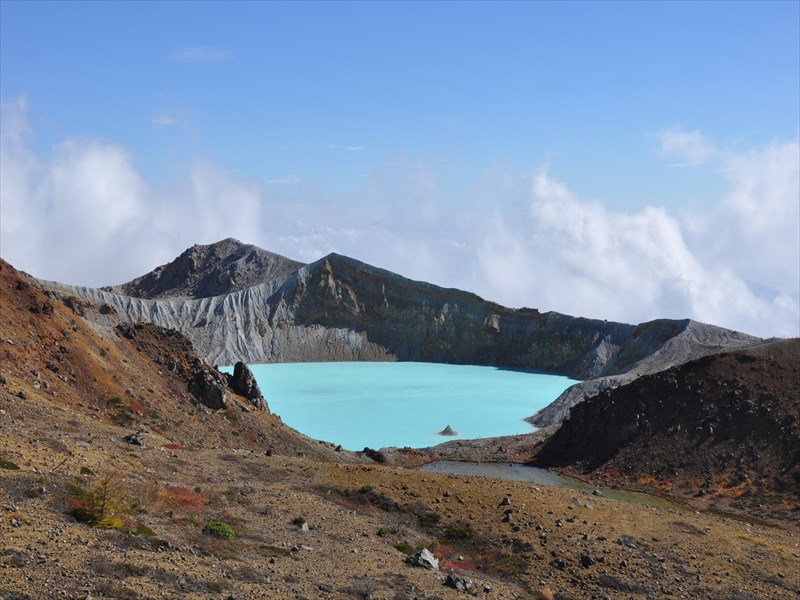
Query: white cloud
x=86 y=215
x=201 y=54
x=690 y=147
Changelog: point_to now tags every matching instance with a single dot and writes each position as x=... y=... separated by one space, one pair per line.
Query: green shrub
x=299 y=521
x=7 y=464
x=86 y=471
x=365 y=489
x=219 y=529
x=404 y=547
x=214 y=586
x=383 y=532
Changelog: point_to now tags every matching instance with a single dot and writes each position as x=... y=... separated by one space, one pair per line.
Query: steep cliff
x=339 y=309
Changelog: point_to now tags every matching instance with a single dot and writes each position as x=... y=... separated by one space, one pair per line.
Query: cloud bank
x=84 y=214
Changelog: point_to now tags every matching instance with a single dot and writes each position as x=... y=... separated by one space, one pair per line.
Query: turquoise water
x=381 y=404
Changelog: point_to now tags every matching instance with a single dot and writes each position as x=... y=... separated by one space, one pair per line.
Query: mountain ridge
x=338 y=308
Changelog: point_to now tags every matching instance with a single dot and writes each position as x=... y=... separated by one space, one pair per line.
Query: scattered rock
x=136 y=439
x=586 y=561
x=423 y=558
x=462 y=584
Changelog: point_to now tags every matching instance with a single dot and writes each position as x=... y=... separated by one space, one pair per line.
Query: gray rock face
x=244 y=383
x=339 y=309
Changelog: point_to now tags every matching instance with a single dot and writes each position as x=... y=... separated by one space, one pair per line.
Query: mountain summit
x=209 y=270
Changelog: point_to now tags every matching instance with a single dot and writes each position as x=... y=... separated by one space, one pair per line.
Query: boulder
x=244 y=383
x=423 y=558
x=137 y=438
x=209 y=387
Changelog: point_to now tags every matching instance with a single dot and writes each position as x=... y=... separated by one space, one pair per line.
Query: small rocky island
x=448 y=431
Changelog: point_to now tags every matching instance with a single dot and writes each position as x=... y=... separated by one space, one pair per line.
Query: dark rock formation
x=729 y=420
x=244 y=383
x=459 y=583
x=448 y=431
x=210 y=387
x=375 y=455
x=136 y=438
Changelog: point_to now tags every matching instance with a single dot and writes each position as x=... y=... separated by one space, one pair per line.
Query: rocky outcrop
x=669 y=343
x=726 y=421
x=244 y=383
x=210 y=387
x=340 y=309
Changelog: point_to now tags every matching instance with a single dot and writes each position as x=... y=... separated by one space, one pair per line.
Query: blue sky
x=615 y=160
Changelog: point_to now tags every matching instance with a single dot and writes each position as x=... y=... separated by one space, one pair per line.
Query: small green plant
x=299 y=521
x=214 y=586
x=198 y=489
x=142 y=529
x=458 y=534
x=274 y=550
x=86 y=471
x=383 y=532
x=404 y=547
x=365 y=489
x=219 y=529
x=103 y=352
x=32 y=493
x=7 y=464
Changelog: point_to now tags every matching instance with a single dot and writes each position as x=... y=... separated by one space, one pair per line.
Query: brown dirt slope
x=722 y=429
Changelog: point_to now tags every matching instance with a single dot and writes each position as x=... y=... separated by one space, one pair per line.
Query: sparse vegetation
x=214 y=586
x=363 y=588
x=102 y=506
x=219 y=529
x=7 y=464
x=274 y=550
x=458 y=534
x=404 y=547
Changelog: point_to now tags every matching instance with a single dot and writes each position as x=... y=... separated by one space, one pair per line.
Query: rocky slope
x=338 y=308
x=723 y=429
x=231 y=503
